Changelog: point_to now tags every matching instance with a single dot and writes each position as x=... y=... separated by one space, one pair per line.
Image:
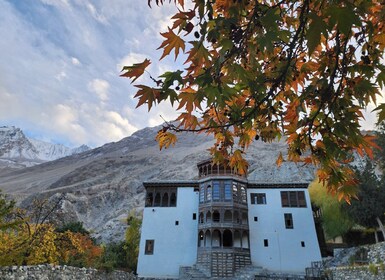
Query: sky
x=60 y=62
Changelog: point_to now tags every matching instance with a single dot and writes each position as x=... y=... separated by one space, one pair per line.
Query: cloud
x=75 y=61
x=100 y=88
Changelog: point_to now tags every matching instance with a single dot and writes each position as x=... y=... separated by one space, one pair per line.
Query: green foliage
x=371 y=196
x=73 y=227
x=132 y=240
x=373 y=269
x=335 y=220
x=8 y=218
x=114 y=257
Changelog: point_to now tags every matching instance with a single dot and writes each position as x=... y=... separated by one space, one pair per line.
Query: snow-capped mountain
x=101 y=186
x=18 y=151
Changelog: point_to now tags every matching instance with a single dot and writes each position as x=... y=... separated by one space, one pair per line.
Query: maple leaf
x=189 y=99
x=165 y=139
x=136 y=70
x=147 y=95
x=172 y=41
x=279 y=160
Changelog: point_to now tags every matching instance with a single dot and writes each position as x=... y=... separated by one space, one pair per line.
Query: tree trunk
x=376 y=235
x=381 y=227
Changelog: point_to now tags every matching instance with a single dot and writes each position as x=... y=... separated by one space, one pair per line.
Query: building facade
x=221 y=222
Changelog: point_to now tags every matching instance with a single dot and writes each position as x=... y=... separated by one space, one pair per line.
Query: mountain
x=101 y=186
x=17 y=151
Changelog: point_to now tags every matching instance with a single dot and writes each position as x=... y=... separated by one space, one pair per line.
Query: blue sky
x=60 y=62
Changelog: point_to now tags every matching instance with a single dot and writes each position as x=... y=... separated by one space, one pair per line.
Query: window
x=289 y=220
x=243 y=194
x=216 y=191
x=157 y=200
x=149 y=248
x=228 y=195
x=216 y=217
x=202 y=194
x=165 y=200
x=266 y=243
x=177 y=223
x=149 y=199
x=258 y=198
x=293 y=199
x=255 y=219
x=208 y=193
x=194 y=216
x=302 y=243
x=173 y=200
x=235 y=192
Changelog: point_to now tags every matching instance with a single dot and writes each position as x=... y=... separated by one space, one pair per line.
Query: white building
x=221 y=222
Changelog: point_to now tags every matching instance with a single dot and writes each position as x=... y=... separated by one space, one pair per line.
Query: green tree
x=369 y=209
x=132 y=240
x=335 y=219
x=260 y=70
x=73 y=227
x=9 y=217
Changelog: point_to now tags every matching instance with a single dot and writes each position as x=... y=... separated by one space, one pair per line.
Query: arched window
x=208 y=217
x=173 y=200
x=165 y=200
x=216 y=239
x=201 y=218
x=228 y=217
x=237 y=239
x=244 y=218
x=149 y=199
x=157 y=200
x=200 y=239
x=227 y=238
x=236 y=219
x=208 y=238
x=216 y=217
x=245 y=240
x=208 y=193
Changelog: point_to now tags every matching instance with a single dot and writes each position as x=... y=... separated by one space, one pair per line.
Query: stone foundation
x=53 y=272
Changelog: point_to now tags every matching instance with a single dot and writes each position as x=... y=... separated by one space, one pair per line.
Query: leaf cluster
x=262 y=70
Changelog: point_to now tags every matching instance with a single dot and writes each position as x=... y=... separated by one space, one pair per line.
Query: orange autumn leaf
x=136 y=70
x=172 y=42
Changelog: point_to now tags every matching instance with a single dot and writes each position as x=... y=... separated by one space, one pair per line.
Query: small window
x=302 y=243
x=258 y=198
x=149 y=248
x=194 y=216
x=293 y=199
x=235 y=192
x=266 y=243
x=301 y=199
x=173 y=200
x=255 y=219
x=177 y=223
x=289 y=220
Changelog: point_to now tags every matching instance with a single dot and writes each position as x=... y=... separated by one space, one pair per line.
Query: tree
x=9 y=217
x=132 y=240
x=260 y=70
x=335 y=219
x=369 y=209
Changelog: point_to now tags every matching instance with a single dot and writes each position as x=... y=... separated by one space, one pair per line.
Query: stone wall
x=351 y=264
x=52 y=272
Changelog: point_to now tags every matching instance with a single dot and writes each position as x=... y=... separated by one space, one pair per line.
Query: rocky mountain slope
x=101 y=186
x=17 y=151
